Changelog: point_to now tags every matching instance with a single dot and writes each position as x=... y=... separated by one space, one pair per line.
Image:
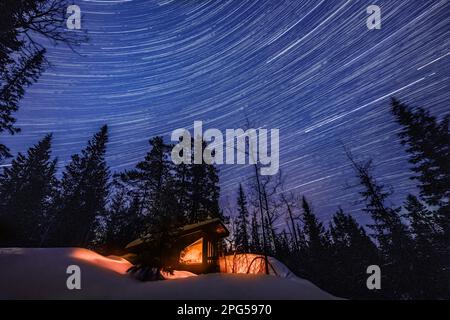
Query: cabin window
x=211 y=257
x=193 y=253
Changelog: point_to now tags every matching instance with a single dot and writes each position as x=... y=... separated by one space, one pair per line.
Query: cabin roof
x=213 y=225
x=220 y=229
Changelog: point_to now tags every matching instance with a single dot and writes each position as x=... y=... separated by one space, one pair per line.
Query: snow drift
x=41 y=274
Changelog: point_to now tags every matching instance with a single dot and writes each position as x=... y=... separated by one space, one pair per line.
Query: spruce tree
x=161 y=230
x=23 y=26
x=422 y=221
x=352 y=251
x=123 y=222
x=197 y=189
x=12 y=89
x=84 y=192
x=430 y=276
x=182 y=191
x=148 y=179
x=285 y=247
x=242 y=237
x=313 y=229
x=428 y=145
x=28 y=189
x=317 y=259
x=390 y=232
x=154 y=187
x=204 y=191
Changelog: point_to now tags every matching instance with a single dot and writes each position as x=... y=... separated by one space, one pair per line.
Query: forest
x=87 y=205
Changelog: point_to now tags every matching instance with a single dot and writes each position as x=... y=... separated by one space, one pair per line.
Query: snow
x=177 y=274
x=41 y=274
x=254 y=264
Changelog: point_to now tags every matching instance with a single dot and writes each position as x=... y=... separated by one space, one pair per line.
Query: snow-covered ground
x=41 y=274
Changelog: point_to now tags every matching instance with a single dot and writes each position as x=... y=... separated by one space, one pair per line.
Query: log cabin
x=197 y=247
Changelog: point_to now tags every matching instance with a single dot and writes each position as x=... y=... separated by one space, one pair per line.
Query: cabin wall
x=210 y=254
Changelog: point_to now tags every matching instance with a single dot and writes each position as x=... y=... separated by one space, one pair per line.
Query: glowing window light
x=193 y=253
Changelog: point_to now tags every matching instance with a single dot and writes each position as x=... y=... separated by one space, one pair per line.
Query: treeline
x=410 y=243
x=86 y=206
x=89 y=207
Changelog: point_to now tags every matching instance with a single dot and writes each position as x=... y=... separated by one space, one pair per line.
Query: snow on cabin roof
x=220 y=230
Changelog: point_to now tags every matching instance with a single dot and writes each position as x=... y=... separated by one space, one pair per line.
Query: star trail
x=309 y=68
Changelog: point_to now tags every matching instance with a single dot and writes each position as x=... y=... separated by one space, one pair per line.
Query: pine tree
x=317 y=259
x=390 y=232
x=428 y=144
x=155 y=188
x=28 y=189
x=352 y=251
x=23 y=25
x=431 y=278
x=123 y=222
x=285 y=247
x=147 y=180
x=301 y=238
x=183 y=185
x=161 y=230
x=84 y=191
x=242 y=237
x=204 y=191
x=313 y=229
x=116 y=219
x=12 y=90
x=422 y=221
x=213 y=196
x=197 y=189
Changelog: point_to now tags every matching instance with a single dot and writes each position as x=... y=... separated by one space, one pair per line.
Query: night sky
x=310 y=68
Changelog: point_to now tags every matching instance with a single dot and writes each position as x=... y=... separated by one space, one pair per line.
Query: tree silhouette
x=352 y=251
x=428 y=264
x=22 y=56
x=84 y=191
x=242 y=236
x=12 y=91
x=28 y=189
x=317 y=257
x=390 y=232
x=428 y=145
